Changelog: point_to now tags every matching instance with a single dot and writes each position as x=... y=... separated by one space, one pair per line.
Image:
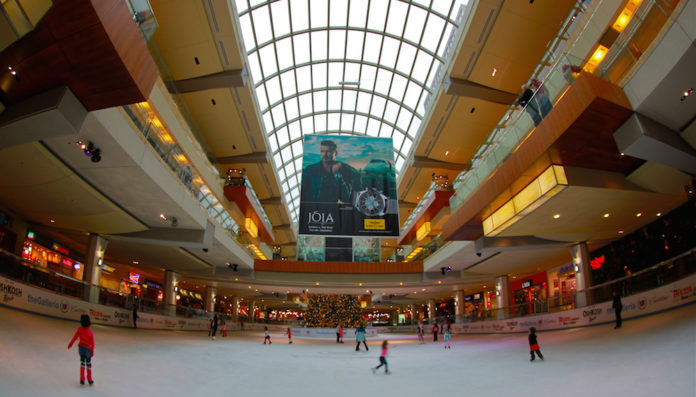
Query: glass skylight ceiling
x=357 y=67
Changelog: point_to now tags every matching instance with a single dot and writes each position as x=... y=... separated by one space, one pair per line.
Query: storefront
x=474 y=304
x=562 y=287
x=529 y=293
x=56 y=258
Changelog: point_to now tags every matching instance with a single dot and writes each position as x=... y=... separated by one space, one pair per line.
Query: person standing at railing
x=85 y=348
x=529 y=102
x=617 y=306
x=542 y=96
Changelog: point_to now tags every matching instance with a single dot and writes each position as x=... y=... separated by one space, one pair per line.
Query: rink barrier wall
x=31 y=299
x=667 y=297
x=35 y=300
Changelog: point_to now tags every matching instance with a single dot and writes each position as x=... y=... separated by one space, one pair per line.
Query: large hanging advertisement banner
x=348 y=186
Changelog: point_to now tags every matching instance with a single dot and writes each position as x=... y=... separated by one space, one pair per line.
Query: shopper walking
x=383 y=359
x=85 y=348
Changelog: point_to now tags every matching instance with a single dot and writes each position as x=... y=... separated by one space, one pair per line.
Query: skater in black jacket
x=533 y=345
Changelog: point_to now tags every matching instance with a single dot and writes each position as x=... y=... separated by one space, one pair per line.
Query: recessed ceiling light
x=401 y=283
x=135 y=262
x=316 y=283
x=659 y=214
x=556 y=216
x=621 y=231
x=163 y=217
x=53 y=221
x=606 y=215
x=495 y=71
x=360 y=284
x=439 y=282
x=422 y=289
x=639 y=214
x=446 y=152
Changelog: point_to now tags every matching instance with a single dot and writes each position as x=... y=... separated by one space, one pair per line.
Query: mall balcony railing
x=25 y=271
x=516 y=128
x=665 y=272
x=141 y=10
x=169 y=151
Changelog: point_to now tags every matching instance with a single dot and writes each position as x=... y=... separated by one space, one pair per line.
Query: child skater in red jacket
x=85 y=348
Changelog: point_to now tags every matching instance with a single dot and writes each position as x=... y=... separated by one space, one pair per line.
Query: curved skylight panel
x=357 y=67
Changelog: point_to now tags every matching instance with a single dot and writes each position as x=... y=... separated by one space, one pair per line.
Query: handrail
x=29 y=272
x=170 y=152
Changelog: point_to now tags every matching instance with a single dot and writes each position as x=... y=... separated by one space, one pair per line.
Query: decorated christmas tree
x=332 y=310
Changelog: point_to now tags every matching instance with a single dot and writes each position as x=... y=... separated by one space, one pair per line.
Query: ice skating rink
x=652 y=356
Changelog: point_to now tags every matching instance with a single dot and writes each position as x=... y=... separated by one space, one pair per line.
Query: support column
x=458 y=306
x=171 y=286
x=414 y=313
x=210 y=295
x=235 y=309
x=251 y=310
x=431 y=311
x=92 y=272
x=581 y=261
x=19 y=227
x=502 y=290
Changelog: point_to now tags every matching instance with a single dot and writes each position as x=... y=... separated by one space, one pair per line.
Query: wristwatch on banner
x=371 y=202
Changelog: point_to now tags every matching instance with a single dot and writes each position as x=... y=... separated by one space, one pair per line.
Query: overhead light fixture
x=596 y=58
x=606 y=215
x=621 y=232
x=251 y=227
x=495 y=71
x=659 y=214
x=639 y=214
x=686 y=94
x=556 y=216
x=550 y=182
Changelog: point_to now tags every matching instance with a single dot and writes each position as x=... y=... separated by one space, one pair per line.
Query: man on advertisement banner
x=329 y=180
x=355 y=196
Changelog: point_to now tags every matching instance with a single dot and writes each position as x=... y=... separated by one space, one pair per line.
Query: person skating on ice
x=533 y=345
x=85 y=348
x=360 y=337
x=383 y=359
x=421 y=332
x=266 y=337
x=213 y=328
x=617 y=305
x=289 y=333
x=447 y=338
x=435 y=329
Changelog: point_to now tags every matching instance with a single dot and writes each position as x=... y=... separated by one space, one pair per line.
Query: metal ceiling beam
x=271 y=201
x=224 y=79
x=251 y=158
x=466 y=88
x=425 y=162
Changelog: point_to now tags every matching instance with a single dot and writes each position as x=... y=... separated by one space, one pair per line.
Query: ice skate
x=91 y=382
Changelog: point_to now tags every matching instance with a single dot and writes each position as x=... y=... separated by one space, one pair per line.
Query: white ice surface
x=651 y=356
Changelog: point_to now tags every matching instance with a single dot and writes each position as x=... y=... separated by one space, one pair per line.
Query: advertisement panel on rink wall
x=31 y=299
x=662 y=298
x=330 y=333
x=348 y=187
